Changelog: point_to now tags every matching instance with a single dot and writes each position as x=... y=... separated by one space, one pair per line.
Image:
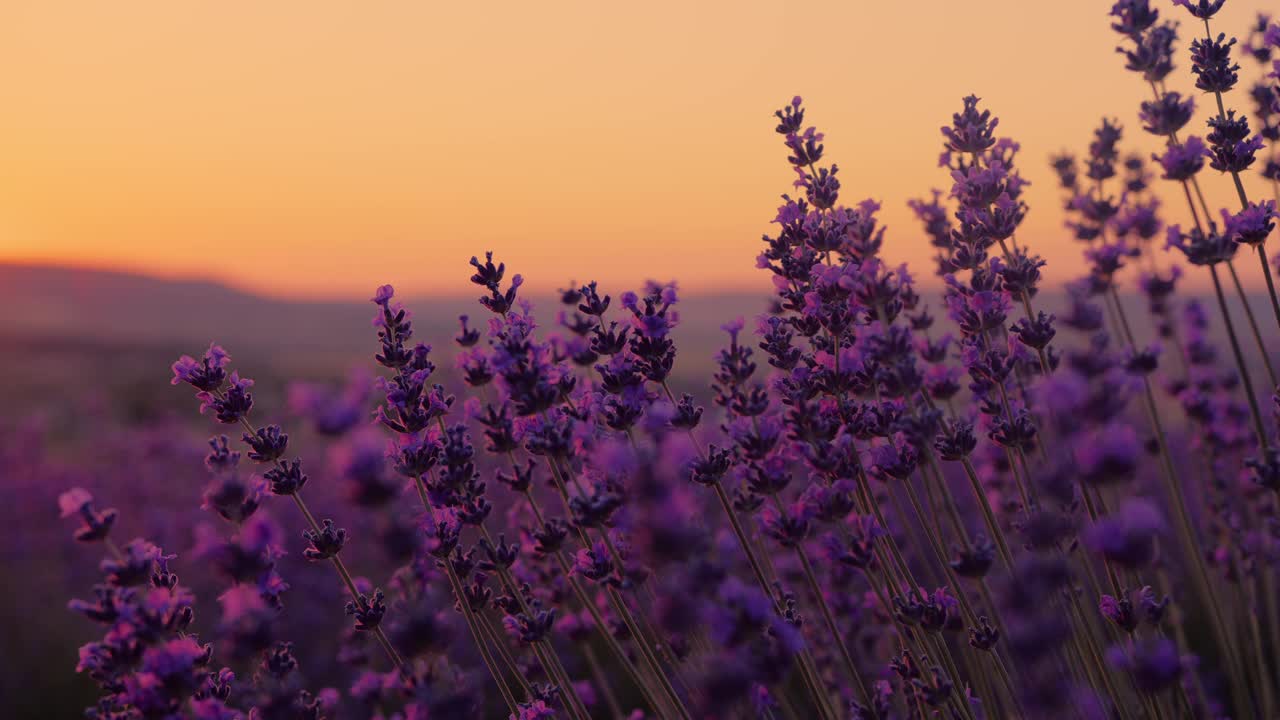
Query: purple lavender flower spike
x=1167 y=115
x=1211 y=63
x=1202 y=9
x=1253 y=224
x=1151 y=54
x=1154 y=665
x=96 y=523
x=1133 y=17
x=971 y=131
x=1128 y=537
x=1231 y=149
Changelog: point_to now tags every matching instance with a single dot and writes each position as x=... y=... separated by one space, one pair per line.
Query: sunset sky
x=320 y=148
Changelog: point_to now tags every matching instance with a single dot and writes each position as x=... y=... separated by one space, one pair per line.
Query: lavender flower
x=1128 y=538
x=971 y=130
x=1203 y=9
x=1211 y=63
x=1167 y=115
x=1231 y=148
x=894 y=480
x=1252 y=225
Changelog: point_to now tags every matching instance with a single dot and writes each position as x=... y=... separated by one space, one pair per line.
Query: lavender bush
x=1000 y=512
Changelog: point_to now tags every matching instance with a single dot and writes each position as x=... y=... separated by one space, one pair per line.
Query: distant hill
x=60 y=304
x=51 y=306
x=124 y=308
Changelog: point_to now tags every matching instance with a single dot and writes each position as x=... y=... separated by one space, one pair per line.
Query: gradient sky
x=320 y=148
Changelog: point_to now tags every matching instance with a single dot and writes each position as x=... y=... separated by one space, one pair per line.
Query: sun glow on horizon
x=319 y=149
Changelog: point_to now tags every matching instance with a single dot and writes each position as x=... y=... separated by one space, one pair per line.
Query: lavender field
x=861 y=490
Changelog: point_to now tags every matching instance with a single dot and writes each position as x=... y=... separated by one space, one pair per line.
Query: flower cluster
x=889 y=506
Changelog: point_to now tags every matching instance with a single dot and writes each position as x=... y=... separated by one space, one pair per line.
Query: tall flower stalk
x=228 y=399
x=865 y=512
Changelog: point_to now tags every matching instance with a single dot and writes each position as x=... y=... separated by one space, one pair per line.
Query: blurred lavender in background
x=1036 y=504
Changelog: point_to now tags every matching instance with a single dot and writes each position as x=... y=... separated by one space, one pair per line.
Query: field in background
x=86 y=401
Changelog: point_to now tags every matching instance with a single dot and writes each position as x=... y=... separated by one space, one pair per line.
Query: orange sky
x=320 y=148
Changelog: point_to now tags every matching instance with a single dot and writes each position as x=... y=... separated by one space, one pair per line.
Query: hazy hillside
x=121 y=307
x=121 y=330
x=129 y=308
